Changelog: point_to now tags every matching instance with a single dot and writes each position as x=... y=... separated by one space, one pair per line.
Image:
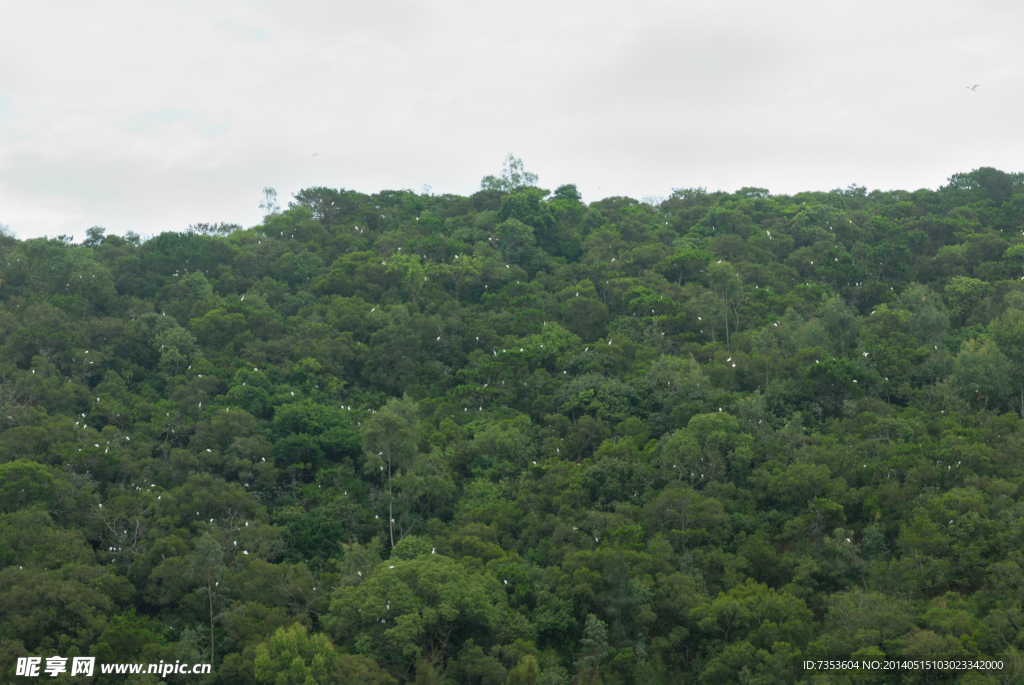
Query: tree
x=50 y=611
x=582 y=310
x=685 y=264
x=568 y=192
x=727 y=284
x=129 y=637
x=710 y=448
x=513 y=176
x=859 y=619
x=95 y=236
x=753 y=620
x=832 y=382
x=390 y=437
x=1008 y=332
x=269 y=204
x=26 y=483
x=840 y=323
x=929 y=320
x=177 y=349
x=981 y=373
x=513 y=238
x=526 y=672
x=208 y=568
x=593 y=648
x=963 y=294
x=687 y=515
x=414 y=275
x=326 y=204
x=984 y=183
x=293 y=656
x=461 y=271
x=422 y=608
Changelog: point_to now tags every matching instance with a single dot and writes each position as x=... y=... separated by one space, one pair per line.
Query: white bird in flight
x=974 y=87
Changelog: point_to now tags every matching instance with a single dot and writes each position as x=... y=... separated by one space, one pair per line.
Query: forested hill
x=515 y=438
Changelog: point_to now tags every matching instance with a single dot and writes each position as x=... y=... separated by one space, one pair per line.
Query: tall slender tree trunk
x=209 y=590
x=727 y=321
x=391 y=512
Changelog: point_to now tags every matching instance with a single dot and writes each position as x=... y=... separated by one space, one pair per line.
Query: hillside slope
x=514 y=438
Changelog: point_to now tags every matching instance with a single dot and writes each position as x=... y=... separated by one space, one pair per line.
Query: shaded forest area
x=515 y=438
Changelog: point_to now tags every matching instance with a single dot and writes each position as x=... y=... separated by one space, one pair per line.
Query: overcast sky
x=149 y=116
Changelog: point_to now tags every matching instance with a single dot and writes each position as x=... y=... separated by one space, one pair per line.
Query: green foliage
x=294 y=657
x=513 y=177
x=981 y=373
x=593 y=649
x=25 y=483
x=515 y=438
x=409 y=608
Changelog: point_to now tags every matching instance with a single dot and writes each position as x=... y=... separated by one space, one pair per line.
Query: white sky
x=150 y=115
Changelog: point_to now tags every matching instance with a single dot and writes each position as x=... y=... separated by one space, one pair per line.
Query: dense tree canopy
x=515 y=438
